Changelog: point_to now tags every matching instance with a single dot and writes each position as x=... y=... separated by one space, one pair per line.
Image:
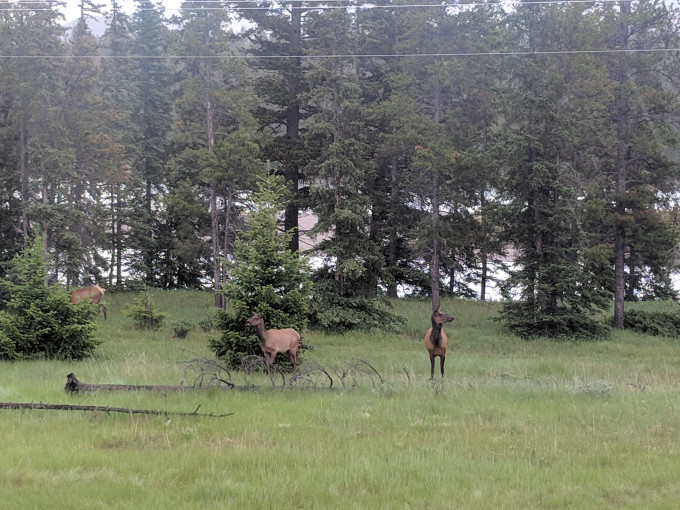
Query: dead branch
x=251 y=363
x=305 y=373
x=103 y=409
x=216 y=374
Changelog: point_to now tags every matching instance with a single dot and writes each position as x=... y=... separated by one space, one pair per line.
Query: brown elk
x=93 y=294
x=273 y=341
x=436 y=341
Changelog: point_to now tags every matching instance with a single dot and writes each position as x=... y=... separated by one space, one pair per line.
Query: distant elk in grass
x=93 y=294
x=436 y=340
x=273 y=341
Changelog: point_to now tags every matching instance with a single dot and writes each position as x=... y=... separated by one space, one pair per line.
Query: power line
x=365 y=6
x=318 y=57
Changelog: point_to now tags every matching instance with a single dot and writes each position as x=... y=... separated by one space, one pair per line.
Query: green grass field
x=515 y=424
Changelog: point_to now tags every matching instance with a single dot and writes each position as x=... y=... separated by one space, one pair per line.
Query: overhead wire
x=352 y=56
x=341 y=56
x=287 y=4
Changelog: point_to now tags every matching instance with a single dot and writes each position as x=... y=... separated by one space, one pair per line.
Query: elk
x=93 y=294
x=436 y=341
x=273 y=341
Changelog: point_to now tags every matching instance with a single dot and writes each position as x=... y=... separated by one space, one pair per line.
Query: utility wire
x=318 y=57
x=14 y=6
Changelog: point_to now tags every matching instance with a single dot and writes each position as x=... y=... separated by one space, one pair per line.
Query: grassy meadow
x=515 y=424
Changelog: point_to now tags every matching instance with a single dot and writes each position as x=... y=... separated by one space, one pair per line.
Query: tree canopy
x=436 y=146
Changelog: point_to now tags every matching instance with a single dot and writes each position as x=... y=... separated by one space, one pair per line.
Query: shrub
x=653 y=323
x=182 y=329
x=564 y=324
x=331 y=312
x=144 y=314
x=207 y=324
x=38 y=320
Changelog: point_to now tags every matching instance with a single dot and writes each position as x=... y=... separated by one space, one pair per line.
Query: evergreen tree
x=281 y=85
x=347 y=284
x=544 y=109
x=640 y=105
x=264 y=276
x=29 y=87
x=152 y=120
x=119 y=96
x=215 y=137
x=38 y=320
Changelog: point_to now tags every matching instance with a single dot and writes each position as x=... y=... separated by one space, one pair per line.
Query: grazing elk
x=435 y=340
x=273 y=341
x=93 y=294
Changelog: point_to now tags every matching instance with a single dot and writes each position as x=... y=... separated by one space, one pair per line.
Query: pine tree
x=38 y=320
x=347 y=285
x=215 y=138
x=542 y=138
x=152 y=121
x=264 y=276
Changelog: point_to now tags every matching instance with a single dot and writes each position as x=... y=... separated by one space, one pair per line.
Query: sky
x=72 y=10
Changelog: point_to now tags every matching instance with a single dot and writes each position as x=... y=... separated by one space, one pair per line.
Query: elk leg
x=293 y=359
x=104 y=311
x=442 y=359
x=431 y=366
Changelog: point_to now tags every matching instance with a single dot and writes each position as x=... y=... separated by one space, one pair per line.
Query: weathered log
x=103 y=409
x=74 y=385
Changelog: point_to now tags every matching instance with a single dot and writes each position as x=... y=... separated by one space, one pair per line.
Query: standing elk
x=436 y=341
x=273 y=341
x=94 y=294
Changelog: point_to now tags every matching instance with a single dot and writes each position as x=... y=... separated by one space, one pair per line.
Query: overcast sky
x=72 y=10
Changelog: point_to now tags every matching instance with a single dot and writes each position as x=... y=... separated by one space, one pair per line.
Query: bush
x=565 y=324
x=653 y=323
x=330 y=312
x=207 y=324
x=38 y=320
x=182 y=329
x=144 y=314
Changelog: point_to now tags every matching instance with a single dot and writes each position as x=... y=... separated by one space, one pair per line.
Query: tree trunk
x=291 y=173
x=434 y=263
x=227 y=231
x=620 y=236
x=632 y=276
x=483 y=255
x=23 y=169
x=392 y=244
x=621 y=176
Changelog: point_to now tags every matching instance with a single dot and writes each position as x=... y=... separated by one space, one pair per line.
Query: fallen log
x=102 y=409
x=73 y=385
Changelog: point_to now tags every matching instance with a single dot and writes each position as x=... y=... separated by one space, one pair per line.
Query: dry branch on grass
x=103 y=409
x=73 y=385
x=211 y=374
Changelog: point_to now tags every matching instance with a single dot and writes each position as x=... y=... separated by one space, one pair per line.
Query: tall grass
x=515 y=424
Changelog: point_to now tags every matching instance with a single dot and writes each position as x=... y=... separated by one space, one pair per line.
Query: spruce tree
x=264 y=277
x=38 y=320
x=554 y=276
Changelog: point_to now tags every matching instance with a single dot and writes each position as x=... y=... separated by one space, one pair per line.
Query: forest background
x=432 y=142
